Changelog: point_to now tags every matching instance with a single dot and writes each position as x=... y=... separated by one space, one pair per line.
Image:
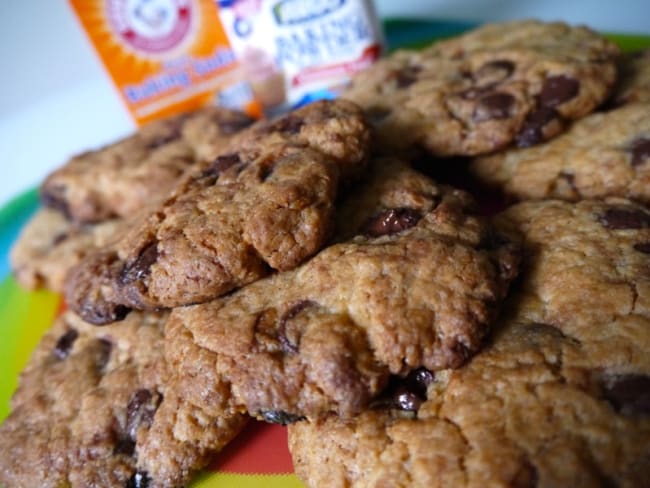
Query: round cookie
x=415 y=280
x=120 y=178
x=560 y=396
x=604 y=154
x=268 y=203
x=49 y=245
x=516 y=82
x=93 y=409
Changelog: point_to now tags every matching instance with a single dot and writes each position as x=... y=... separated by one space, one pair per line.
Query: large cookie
x=604 y=154
x=559 y=397
x=266 y=204
x=93 y=409
x=417 y=283
x=118 y=179
x=517 y=82
x=49 y=245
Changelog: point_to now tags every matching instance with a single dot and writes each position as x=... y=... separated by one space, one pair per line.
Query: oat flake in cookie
x=415 y=280
x=560 y=396
x=267 y=203
x=93 y=409
x=517 y=83
x=118 y=179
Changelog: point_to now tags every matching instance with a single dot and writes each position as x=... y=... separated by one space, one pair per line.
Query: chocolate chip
x=290 y=344
x=525 y=477
x=377 y=114
x=280 y=417
x=557 y=90
x=629 y=394
x=125 y=446
x=407 y=76
x=140 y=479
x=407 y=400
x=288 y=123
x=221 y=164
x=234 y=125
x=475 y=92
x=624 y=218
x=141 y=266
x=495 y=71
x=52 y=197
x=105 y=347
x=532 y=131
x=103 y=312
x=643 y=247
x=59 y=238
x=140 y=411
x=493 y=106
x=392 y=221
x=640 y=149
x=65 y=343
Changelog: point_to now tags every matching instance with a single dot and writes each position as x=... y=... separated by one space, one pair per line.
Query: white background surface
x=56 y=100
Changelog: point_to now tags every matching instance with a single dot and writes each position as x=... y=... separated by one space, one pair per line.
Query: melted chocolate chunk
x=65 y=343
x=406 y=393
x=526 y=477
x=495 y=71
x=221 y=164
x=104 y=353
x=140 y=268
x=377 y=114
x=493 y=106
x=640 y=151
x=140 y=411
x=532 y=131
x=140 y=479
x=392 y=221
x=407 y=76
x=236 y=124
x=290 y=344
x=643 y=247
x=558 y=89
x=103 y=313
x=59 y=238
x=404 y=399
x=288 y=123
x=624 y=218
x=280 y=417
x=53 y=198
x=629 y=394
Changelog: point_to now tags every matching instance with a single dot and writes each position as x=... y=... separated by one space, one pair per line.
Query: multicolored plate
x=259 y=457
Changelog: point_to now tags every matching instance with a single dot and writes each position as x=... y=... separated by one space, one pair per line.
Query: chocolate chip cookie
x=49 y=245
x=266 y=204
x=93 y=409
x=559 y=397
x=415 y=280
x=501 y=84
x=604 y=154
x=118 y=179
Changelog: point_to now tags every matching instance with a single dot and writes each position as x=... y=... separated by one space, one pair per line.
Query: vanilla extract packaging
x=296 y=51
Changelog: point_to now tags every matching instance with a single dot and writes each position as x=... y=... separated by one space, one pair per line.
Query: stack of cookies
x=302 y=271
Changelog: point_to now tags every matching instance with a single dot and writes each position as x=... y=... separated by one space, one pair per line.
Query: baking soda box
x=170 y=56
x=166 y=56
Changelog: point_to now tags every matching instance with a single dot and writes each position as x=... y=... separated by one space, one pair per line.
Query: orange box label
x=165 y=56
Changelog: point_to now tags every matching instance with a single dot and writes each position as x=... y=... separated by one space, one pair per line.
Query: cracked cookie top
x=415 y=279
x=266 y=204
x=560 y=395
x=501 y=84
